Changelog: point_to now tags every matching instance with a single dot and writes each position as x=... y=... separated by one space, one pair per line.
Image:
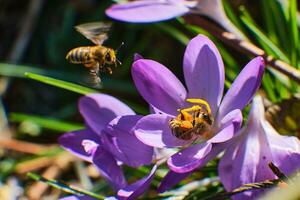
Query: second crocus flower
x=108 y=142
x=257 y=144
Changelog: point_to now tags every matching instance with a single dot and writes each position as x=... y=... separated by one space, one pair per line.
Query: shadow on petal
x=243 y=88
x=190 y=158
x=123 y=143
x=171 y=179
x=109 y=169
x=154 y=131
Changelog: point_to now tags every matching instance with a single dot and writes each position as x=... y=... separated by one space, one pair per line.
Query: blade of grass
x=48 y=123
x=61 y=84
x=263 y=40
x=175 y=33
x=66 y=188
x=293 y=27
x=18 y=71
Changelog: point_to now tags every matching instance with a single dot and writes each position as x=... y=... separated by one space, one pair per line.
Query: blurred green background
x=36 y=35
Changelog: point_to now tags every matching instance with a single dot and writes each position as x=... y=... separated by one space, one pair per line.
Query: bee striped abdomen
x=80 y=55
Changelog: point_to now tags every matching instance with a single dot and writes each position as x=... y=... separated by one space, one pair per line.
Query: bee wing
x=94 y=31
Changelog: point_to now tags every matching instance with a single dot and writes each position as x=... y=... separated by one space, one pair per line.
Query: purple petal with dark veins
x=154 y=130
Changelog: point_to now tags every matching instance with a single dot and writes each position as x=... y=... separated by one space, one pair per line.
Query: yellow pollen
x=200 y=102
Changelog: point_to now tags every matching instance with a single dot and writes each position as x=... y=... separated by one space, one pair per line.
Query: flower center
x=193 y=122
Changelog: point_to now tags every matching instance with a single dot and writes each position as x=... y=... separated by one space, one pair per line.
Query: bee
x=192 y=123
x=95 y=58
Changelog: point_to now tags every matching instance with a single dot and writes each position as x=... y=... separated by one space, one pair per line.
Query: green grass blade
x=61 y=84
x=175 y=33
x=48 y=123
x=64 y=187
x=293 y=27
x=264 y=41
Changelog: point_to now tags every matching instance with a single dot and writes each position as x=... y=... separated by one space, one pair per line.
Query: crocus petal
x=136 y=189
x=109 y=168
x=229 y=125
x=124 y=144
x=190 y=158
x=243 y=88
x=154 y=110
x=72 y=142
x=74 y=197
x=158 y=85
x=171 y=179
x=145 y=11
x=154 y=130
x=85 y=197
x=99 y=109
x=137 y=57
x=204 y=71
x=283 y=148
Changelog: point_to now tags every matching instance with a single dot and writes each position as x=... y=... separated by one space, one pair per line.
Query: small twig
x=278 y=172
x=21 y=146
x=244 y=46
x=246 y=187
x=33 y=165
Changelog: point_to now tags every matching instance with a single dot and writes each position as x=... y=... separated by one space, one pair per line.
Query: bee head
x=110 y=57
x=206 y=117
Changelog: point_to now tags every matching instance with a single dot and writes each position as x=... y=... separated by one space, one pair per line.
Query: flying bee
x=96 y=58
x=191 y=122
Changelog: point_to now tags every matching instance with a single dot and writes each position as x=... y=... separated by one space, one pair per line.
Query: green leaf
x=61 y=84
x=64 y=187
x=293 y=27
x=175 y=33
x=48 y=123
x=263 y=40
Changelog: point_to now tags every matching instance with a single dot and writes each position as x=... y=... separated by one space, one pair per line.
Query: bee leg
x=95 y=79
x=89 y=65
x=109 y=70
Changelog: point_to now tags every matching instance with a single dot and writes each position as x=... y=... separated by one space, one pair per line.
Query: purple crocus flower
x=204 y=77
x=246 y=158
x=147 y=11
x=108 y=139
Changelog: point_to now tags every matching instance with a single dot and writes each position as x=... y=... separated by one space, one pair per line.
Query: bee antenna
x=119 y=62
x=119 y=47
